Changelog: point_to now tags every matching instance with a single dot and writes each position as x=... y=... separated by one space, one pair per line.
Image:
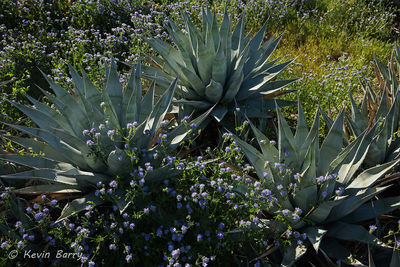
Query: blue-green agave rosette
x=218 y=68
x=92 y=136
x=320 y=191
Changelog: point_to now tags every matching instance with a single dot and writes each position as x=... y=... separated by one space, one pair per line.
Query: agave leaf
x=78 y=205
x=328 y=121
x=383 y=138
x=370 y=259
x=351 y=232
x=258 y=38
x=77 y=80
x=255 y=65
x=219 y=112
x=47 y=175
x=197 y=104
x=347 y=171
x=255 y=157
x=395 y=258
x=110 y=112
x=119 y=198
x=36 y=162
x=68 y=151
x=170 y=54
x=370 y=176
x=301 y=130
x=189 y=94
x=271 y=89
x=261 y=86
x=214 y=91
x=260 y=82
x=219 y=66
x=147 y=104
x=56 y=117
x=140 y=140
x=315 y=235
x=194 y=34
x=309 y=167
x=90 y=158
x=16 y=210
x=206 y=19
x=179 y=133
x=271 y=72
x=71 y=109
x=238 y=33
x=37 y=116
x=306 y=197
x=357 y=117
x=154 y=74
x=116 y=160
x=382 y=69
x=305 y=143
x=261 y=69
x=373 y=209
x=286 y=142
x=132 y=96
x=195 y=82
x=48 y=189
x=179 y=38
x=345 y=155
x=331 y=145
x=292 y=254
x=69 y=139
x=160 y=109
x=383 y=108
x=206 y=56
x=225 y=40
x=59 y=105
x=92 y=93
x=355 y=130
x=40 y=147
x=333 y=248
x=353 y=202
x=269 y=151
x=323 y=210
x=233 y=86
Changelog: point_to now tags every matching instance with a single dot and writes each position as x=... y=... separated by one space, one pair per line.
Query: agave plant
x=219 y=68
x=320 y=191
x=90 y=136
x=382 y=107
